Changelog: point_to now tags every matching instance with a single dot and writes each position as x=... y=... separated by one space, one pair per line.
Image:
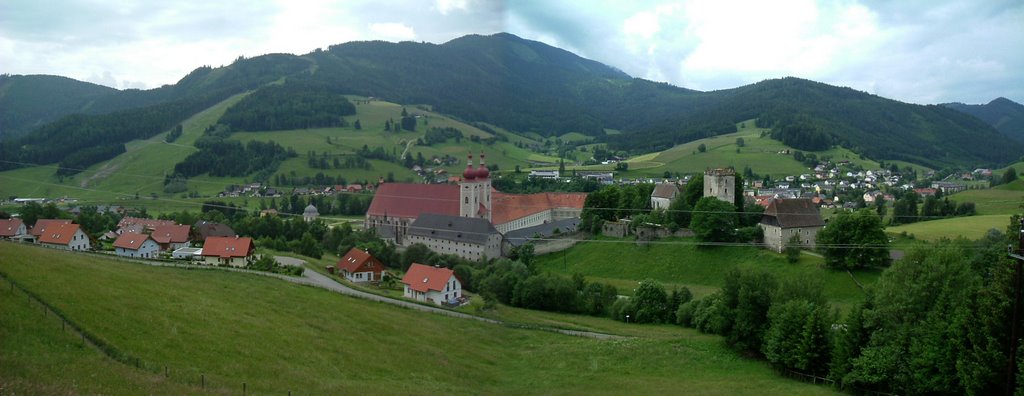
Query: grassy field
x=140 y=170
x=971 y=227
x=38 y=358
x=680 y=262
x=278 y=337
x=759 y=153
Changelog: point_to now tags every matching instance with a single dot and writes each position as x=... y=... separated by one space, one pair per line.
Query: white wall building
x=432 y=284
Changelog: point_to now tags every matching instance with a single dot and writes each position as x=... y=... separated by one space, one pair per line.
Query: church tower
x=475 y=190
x=720 y=183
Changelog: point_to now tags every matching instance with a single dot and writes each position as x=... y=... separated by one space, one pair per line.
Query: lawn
x=679 y=261
x=277 y=337
x=37 y=357
x=970 y=227
x=1005 y=199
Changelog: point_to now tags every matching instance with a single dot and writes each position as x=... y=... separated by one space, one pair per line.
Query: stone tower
x=475 y=191
x=720 y=183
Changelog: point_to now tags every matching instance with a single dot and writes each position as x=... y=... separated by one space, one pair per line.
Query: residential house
x=784 y=218
x=172 y=237
x=131 y=244
x=12 y=228
x=147 y=225
x=466 y=237
x=43 y=224
x=205 y=229
x=663 y=195
x=65 y=236
x=360 y=266
x=432 y=284
x=234 y=251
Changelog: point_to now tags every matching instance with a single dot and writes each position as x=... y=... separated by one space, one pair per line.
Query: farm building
x=784 y=218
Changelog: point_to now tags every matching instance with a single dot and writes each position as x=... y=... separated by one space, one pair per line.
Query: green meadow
x=276 y=337
x=682 y=262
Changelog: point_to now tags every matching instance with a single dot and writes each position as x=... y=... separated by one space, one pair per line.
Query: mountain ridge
x=528 y=86
x=1003 y=114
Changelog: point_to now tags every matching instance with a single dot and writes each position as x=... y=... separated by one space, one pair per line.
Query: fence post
x=202 y=381
x=243 y=389
x=166 y=372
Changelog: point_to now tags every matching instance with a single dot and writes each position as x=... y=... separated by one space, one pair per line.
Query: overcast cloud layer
x=915 y=51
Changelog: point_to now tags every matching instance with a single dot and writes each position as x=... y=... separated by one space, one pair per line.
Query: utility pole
x=1011 y=373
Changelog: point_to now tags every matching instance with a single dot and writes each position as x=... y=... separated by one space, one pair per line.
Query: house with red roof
x=360 y=266
x=65 y=236
x=234 y=251
x=131 y=244
x=138 y=224
x=12 y=228
x=432 y=284
x=41 y=225
x=171 y=237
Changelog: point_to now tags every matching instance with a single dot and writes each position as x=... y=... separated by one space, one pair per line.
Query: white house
x=12 y=228
x=131 y=244
x=65 y=236
x=432 y=284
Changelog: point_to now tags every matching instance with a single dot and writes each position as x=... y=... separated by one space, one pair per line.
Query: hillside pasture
x=970 y=227
x=276 y=337
x=682 y=262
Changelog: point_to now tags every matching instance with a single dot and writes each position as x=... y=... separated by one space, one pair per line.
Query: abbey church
x=468 y=204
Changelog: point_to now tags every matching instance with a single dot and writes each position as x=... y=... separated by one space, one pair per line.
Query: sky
x=917 y=51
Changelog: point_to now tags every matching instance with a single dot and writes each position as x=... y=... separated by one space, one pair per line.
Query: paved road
x=290 y=261
x=316 y=279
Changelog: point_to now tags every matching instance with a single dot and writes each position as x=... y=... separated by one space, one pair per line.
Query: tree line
x=296 y=104
x=936 y=322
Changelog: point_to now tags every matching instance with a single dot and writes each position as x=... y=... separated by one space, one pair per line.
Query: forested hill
x=527 y=86
x=27 y=102
x=1005 y=115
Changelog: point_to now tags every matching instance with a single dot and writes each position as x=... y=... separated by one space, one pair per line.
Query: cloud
x=921 y=51
x=392 y=31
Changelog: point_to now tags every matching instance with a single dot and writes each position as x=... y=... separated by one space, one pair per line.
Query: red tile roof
x=59 y=234
x=423 y=278
x=409 y=200
x=508 y=207
x=146 y=223
x=171 y=233
x=228 y=246
x=9 y=227
x=42 y=224
x=131 y=240
x=357 y=260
